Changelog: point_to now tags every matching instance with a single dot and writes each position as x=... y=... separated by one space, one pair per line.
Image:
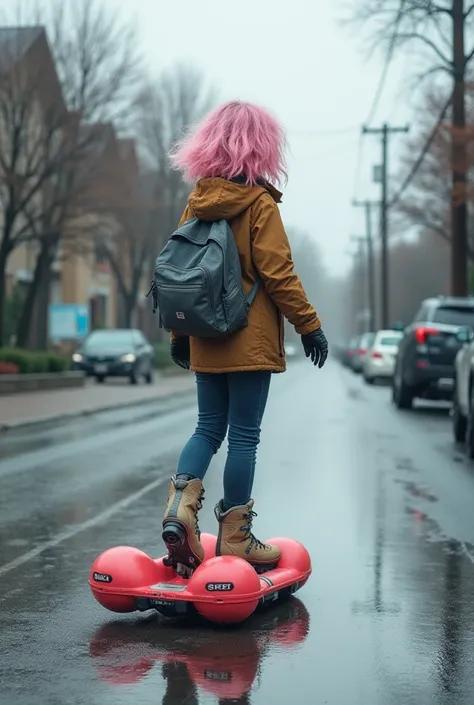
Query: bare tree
x=33 y=120
x=168 y=107
x=439 y=28
x=97 y=63
x=66 y=220
x=423 y=267
x=421 y=264
x=97 y=58
x=128 y=249
x=425 y=204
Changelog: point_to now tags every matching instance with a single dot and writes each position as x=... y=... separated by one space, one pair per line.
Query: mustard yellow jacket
x=254 y=217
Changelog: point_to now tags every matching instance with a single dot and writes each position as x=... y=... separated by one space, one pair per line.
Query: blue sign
x=68 y=321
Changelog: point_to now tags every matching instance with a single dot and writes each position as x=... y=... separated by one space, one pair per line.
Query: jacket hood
x=216 y=199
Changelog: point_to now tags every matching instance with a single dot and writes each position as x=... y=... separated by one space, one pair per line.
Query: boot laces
x=198 y=507
x=249 y=536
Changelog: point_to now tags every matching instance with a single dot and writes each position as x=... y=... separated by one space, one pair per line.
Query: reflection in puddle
x=221 y=662
x=441 y=619
x=417 y=491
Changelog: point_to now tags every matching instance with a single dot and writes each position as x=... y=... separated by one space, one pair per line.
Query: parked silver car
x=379 y=362
x=364 y=344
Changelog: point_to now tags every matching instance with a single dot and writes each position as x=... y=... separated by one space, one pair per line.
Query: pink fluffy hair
x=236 y=139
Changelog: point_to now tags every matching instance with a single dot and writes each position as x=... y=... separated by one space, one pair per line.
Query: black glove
x=316 y=345
x=180 y=352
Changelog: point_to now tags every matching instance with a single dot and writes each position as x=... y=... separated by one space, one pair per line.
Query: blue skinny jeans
x=233 y=401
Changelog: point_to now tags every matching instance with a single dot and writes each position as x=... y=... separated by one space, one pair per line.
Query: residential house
x=107 y=240
x=79 y=275
x=86 y=273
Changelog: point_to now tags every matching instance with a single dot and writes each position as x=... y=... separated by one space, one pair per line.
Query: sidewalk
x=36 y=407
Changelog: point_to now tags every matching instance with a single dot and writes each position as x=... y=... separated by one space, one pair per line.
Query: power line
x=422 y=155
x=378 y=95
x=388 y=61
x=326 y=132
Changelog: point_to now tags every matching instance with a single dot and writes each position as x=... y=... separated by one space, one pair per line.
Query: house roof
x=15 y=42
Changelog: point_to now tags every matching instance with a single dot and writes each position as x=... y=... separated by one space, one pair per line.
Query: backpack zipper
x=191 y=287
x=188 y=287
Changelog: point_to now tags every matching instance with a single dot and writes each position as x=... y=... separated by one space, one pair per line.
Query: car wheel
x=100 y=379
x=470 y=427
x=459 y=422
x=149 y=376
x=368 y=380
x=402 y=394
x=133 y=378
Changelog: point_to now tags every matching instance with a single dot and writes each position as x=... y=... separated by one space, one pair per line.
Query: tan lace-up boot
x=180 y=524
x=236 y=538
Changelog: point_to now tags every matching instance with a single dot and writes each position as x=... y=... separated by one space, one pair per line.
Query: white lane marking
x=79 y=528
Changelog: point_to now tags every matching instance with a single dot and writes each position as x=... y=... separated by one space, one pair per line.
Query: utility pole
x=365 y=301
x=459 y=239
x=367 y=205
x=384 y=131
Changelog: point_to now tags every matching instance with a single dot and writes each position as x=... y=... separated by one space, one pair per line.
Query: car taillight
x=362 y=351
x=377 y=355
x=421 y=333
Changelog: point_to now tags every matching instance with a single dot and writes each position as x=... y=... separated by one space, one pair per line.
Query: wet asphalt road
x=382 y=500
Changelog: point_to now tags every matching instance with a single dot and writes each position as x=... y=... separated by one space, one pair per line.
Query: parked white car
x=379 y=362
x=463 y=394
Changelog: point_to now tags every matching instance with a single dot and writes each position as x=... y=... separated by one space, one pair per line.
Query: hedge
x=29 y=362
x=163 y=356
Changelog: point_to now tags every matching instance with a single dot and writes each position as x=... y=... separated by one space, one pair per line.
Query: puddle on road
x=218 y=662
x=404 y=464
x=355 y=394
x=416 y=490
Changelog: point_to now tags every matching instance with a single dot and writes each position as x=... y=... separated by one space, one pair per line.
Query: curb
x=62 y=418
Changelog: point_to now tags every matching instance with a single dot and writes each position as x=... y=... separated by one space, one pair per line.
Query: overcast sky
x=293 y=57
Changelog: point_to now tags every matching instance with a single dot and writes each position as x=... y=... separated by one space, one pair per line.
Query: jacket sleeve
x=272 y=258
x=186 y=216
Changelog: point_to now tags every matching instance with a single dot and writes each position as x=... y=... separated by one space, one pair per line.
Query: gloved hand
x=316 y=345
x=180 y=353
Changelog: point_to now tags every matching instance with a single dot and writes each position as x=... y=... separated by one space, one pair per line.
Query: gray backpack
x=198 y=282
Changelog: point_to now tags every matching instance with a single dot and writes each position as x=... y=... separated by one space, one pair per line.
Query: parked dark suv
x=424 y=366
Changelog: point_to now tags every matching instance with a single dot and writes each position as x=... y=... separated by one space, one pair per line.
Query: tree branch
x=430 y=72
x=414 y=35
x=469 y=57
x=469 y=11
x=435 y=9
